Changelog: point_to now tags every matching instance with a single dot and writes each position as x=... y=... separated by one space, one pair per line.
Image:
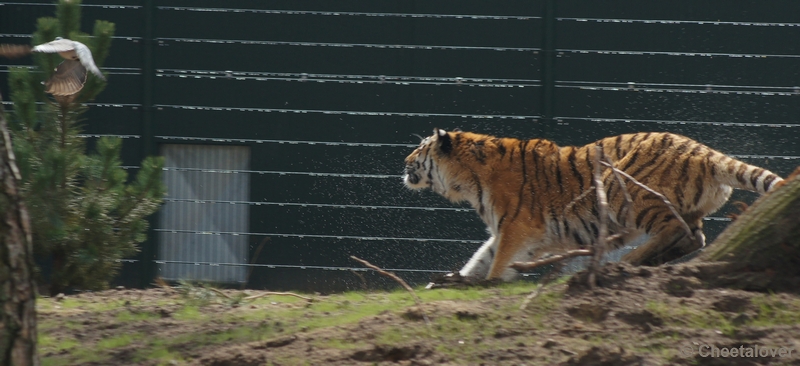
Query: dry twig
x=624 y=187
x=269 y=293
x=218 y=292
x=583 y=195
x=398 y=280
x=602 y=208
x=253 y=261
x=659 y=195
x=361 y=277
x=532 y=296
x=545 y=280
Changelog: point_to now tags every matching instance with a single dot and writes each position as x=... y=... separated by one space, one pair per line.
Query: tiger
x=532 y=194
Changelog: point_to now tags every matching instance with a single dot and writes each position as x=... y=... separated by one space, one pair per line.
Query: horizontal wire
x=298 y=266
x=344 y=76
x=277 y=172
x=28 y=35
x=350 y=81
x=114 y=105
x=328 y=205
x=348 y=113
x=671 y=53
x=288 y=142
x=293 y=266
x=668 y=21
x=659 y=121
x=108 y=6
x=131 y=69
x=632 y=84
x=316 y=205
x=344 y=237
x=341 y=78
x=98 y=135
x=316 y=236
x=671 y=90
x=350 y=13
x=162 y=40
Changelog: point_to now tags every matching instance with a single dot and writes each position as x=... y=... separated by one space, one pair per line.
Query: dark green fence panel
x=328 y=94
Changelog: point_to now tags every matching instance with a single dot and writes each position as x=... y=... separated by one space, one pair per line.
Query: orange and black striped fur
x=529 y=192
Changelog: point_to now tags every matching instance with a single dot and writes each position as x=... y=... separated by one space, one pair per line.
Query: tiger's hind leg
x=668 y=243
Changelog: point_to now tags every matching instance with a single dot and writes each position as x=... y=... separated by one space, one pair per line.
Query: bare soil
x=637 y=316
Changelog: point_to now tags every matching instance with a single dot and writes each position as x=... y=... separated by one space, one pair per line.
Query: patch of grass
x=159 y=353
x=127 y=316
x=241 y=334
x=52 y=361
x=686 y=316
x=771 y=310
x=279 y=315
x=189 y=313
x=49 y=344
x=115 y=342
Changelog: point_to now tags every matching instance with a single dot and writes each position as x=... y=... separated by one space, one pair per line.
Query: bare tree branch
x=526 y=266
x=398 y=280
x=628 y=199
x=659 y=195
x=602 y=208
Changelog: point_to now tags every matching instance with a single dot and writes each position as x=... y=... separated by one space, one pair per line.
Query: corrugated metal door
x=204 y=185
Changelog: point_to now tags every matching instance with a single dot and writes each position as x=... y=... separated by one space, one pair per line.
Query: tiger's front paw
x=455 y=279
x=452 y=279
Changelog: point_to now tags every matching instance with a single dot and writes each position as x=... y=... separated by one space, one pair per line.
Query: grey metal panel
x=193 y=173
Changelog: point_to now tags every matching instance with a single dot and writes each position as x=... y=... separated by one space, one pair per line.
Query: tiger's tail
x=741 y=175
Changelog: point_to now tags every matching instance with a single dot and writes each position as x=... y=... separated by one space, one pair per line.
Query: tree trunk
x=761 y=249
x=17 y=289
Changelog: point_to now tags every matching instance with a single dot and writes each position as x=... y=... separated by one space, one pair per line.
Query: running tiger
x=528 y=192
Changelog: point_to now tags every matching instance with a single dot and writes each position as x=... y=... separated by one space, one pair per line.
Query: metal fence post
x=149 y=148
x=548 y=60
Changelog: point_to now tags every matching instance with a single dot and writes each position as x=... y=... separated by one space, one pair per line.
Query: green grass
x=115 y=342
x=128 y=316
x=49 y=344
x=771 y=310
x=263 y=319
x=683 y=315
x=189 y=313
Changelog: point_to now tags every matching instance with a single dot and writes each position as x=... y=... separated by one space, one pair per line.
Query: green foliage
x=69 y=16
x=85 y=213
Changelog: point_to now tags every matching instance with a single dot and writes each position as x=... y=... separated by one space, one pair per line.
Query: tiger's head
x=423 y=168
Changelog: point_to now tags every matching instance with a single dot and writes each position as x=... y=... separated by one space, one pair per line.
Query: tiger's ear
x=443 y=140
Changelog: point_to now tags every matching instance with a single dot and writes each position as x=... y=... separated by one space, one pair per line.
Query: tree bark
x=17 y=289
x=761 y=249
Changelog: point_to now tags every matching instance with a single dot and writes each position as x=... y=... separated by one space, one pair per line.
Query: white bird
x=71 y=50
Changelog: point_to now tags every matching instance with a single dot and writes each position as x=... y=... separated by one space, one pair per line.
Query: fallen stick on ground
x=398 y=280
x=269 y=293
x=530 y=297
x=218 y=292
